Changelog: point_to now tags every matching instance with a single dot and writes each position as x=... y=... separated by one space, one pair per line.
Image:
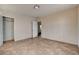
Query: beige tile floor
x=38 y=46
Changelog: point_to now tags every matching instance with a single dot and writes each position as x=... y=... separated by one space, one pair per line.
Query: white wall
x=23 y=27
x=61 y=26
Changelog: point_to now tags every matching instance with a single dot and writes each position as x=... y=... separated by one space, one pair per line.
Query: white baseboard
x=60 y=41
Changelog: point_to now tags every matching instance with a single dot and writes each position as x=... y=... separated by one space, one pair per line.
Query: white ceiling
x=27 y=9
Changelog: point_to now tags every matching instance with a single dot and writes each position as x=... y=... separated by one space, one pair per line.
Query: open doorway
x=39 y=29
x=36 y=29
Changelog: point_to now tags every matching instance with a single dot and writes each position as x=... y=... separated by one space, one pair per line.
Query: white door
x=1 y=30
x=35 y=28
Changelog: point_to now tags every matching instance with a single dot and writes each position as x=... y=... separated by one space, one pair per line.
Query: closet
x=8 y=28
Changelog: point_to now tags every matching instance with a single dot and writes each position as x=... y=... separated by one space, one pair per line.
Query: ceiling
x=27 y=9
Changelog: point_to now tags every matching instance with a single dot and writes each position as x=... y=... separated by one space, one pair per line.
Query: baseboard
x=8 y=40
x=22 y=39
x=61 y=42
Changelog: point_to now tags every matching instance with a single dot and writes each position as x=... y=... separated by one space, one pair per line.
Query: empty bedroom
x=39 y=29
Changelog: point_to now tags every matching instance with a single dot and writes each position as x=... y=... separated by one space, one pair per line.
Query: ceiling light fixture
x=36 y=6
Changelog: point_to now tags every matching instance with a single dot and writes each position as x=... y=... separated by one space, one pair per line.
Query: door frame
x=36 y=28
